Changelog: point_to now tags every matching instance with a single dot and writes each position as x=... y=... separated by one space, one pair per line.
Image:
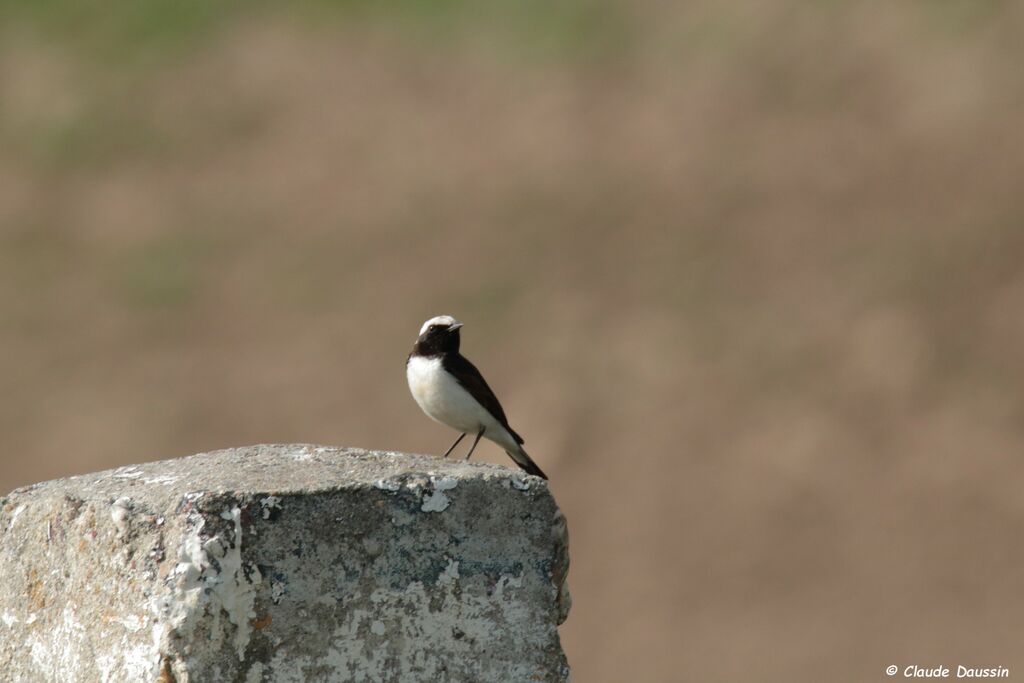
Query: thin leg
x=475 y=442
x=448 y=452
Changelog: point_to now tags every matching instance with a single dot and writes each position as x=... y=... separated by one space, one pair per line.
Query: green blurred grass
x=127 y=34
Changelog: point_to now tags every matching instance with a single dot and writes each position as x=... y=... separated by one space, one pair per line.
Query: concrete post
x=284 y=563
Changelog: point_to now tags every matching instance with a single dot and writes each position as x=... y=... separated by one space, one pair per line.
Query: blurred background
x=750 y=283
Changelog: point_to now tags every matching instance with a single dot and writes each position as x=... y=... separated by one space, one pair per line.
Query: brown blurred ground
x=751 y=286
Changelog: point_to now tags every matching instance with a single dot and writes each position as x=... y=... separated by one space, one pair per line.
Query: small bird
x=450 y=390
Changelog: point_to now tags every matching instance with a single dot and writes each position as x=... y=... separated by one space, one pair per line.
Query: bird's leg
x=475 y=442
x=448 y=452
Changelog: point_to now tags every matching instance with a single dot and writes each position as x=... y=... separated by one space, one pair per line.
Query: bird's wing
x=470 y=379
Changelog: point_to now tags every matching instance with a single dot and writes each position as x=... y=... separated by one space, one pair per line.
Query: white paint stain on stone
x=237 y=588
x=178 y=610
x=269 y=504
x=198 y=585
x=436 y=500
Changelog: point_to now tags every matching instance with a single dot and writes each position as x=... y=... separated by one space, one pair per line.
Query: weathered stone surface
x=284 y=563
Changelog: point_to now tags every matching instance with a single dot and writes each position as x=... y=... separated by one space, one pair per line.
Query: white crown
x=445 y=320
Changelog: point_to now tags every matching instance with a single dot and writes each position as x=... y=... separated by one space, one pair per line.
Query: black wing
x=466 y=374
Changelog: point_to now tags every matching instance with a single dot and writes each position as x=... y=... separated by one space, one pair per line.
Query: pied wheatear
x=450 y=390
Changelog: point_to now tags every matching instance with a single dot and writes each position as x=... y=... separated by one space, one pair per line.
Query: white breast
x=443 y=399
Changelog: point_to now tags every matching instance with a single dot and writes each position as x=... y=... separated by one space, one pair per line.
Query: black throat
x=435 y=343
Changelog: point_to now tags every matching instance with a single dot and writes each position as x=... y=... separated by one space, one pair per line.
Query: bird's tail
x=522 y=459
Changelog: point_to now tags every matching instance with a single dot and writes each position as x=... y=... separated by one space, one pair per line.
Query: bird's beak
x=454 y=326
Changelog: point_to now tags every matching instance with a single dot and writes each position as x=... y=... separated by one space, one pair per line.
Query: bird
x=450 y=390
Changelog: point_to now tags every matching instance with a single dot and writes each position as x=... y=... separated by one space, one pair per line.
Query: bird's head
x=440 y=334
